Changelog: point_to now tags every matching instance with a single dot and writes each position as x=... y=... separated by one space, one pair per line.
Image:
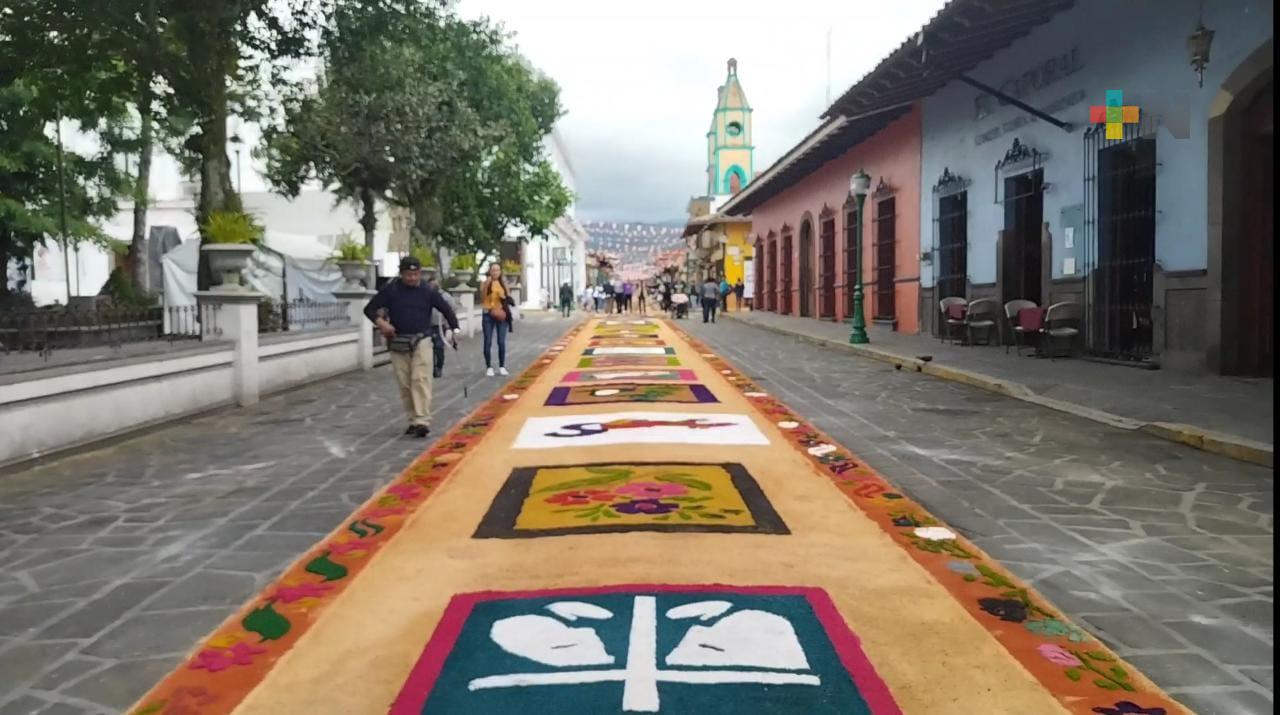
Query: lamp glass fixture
x=860 y=184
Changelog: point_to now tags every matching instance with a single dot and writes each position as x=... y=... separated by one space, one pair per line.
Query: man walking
x=739 y=291
x=437 y=332
x=402 y=311
x=710 y=299
x=566 y=299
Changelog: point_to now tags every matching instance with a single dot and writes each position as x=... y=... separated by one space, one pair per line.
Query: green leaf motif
x=686 y=481
x=1074 y=674
x=323 y=566
x=1105 y=684
x=1119 y=673
x=1098 y=655
x=266 y=622
x=358 y=529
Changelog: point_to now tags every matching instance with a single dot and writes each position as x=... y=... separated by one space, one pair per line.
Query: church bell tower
x=730 y=165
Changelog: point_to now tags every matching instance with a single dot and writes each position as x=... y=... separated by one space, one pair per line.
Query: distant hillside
x=636 y=244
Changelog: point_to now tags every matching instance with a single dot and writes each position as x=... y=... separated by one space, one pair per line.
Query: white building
x=560 y=257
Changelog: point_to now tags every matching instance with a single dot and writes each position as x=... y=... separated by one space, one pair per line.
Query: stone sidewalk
x=113 y=563
x=1165 y=553
x=1230 y=416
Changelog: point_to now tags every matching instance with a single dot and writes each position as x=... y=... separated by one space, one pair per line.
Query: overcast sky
x=639 y=80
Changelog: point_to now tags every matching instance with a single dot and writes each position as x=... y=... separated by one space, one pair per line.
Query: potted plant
x=512 y=271
x=352 y=258
x=230 y=238
x=427 y=258
x=462 y=266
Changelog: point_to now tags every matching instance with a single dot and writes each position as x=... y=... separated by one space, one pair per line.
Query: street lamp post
x=859 y=185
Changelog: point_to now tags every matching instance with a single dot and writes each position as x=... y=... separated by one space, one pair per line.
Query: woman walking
x=495 y=318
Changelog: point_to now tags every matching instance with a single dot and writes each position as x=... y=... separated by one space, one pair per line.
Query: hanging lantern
x=1198 y=47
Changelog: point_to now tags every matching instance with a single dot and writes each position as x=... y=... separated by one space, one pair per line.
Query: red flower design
x=289 y=594
x=581 y=497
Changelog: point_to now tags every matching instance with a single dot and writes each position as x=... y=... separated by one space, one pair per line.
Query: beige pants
x=413 y=373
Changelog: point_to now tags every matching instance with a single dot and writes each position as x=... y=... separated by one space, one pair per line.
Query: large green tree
x=377 y=104
x=510 y=187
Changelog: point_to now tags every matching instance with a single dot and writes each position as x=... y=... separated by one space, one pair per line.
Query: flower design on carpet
x=600 y=498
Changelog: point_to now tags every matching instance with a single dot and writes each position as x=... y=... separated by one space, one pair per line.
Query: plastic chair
x=1011 y=320
x=981 y=317
x=1062 y=321
x=949 y=324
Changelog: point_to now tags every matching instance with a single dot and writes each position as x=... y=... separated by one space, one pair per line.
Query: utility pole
x=62 y=208
x=828 y=67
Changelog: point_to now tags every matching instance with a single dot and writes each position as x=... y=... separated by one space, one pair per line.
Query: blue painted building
x=1163 y=236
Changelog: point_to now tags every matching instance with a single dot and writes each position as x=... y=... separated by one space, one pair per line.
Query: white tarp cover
x=295 y=268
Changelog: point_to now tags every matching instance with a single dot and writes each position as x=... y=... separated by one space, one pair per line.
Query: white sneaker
x=488 y=372
x=503 y=371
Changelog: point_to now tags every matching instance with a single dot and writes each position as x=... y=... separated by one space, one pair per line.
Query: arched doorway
x=1242 y=218
x=806 y=268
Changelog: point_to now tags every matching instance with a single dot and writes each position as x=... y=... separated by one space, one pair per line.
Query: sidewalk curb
x=1227 y=445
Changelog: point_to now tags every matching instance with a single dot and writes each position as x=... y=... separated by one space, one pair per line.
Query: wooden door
x=1256 y=306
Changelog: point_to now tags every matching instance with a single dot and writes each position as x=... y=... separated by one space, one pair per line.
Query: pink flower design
x=1058 y=655
x=384 y=511
x=289 y=594
x=652 y=490
x=407 y=492
x=346 y=547
x=218 y=659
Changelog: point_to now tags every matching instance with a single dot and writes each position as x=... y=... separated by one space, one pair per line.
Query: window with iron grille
x=1119 y=246
x=885 y=253
x=952 y=252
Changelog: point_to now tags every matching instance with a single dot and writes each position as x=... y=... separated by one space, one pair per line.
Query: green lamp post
x=859 y=186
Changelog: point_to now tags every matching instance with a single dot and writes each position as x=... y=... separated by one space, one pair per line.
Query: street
x=118 y=560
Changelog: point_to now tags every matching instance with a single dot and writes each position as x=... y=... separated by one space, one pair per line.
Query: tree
x=371 y=104
x=234 y=51
x=511 y=186
x=36 y=198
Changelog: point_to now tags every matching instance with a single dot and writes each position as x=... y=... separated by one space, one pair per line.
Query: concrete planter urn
x=354 y=273
x=228 y=261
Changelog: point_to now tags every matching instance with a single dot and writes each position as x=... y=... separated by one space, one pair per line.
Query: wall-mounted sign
x=1034 y=79
x=1021 y=120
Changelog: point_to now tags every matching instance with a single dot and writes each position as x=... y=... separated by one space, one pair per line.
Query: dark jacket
x=566 y=294
x=409 y=308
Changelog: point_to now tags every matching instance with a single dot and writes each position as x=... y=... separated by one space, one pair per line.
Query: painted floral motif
x=648 y=506
x=1006 y=609
x=1055 y=628
x=218 y=659
x=665 y=492
x=1128 y=707
x=581 y=497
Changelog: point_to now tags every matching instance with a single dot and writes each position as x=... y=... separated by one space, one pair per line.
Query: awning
x=964 y=34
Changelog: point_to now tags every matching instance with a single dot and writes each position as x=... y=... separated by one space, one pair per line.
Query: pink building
x=803 y=219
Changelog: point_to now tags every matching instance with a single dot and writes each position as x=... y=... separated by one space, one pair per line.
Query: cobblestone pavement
x=1164 y=551
x=115 y=562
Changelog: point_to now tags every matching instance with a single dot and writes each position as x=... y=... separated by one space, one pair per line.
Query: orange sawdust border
x=248 y=644
x=1084 y=675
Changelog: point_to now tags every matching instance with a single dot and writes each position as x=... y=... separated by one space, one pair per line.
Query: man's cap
x=409 y=263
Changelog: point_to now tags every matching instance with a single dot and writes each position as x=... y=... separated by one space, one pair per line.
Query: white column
x=466 y=297
x=235 y=313
x=356 y=300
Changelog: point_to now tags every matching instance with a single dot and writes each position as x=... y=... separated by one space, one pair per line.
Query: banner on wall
x=748 y=278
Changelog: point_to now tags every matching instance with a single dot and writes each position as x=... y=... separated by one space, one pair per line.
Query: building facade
x=803 y=223
x=729 y=150
x=559 y=257
x=1148 y=231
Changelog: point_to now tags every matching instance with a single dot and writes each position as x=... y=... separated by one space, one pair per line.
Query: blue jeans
x=490 y=326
